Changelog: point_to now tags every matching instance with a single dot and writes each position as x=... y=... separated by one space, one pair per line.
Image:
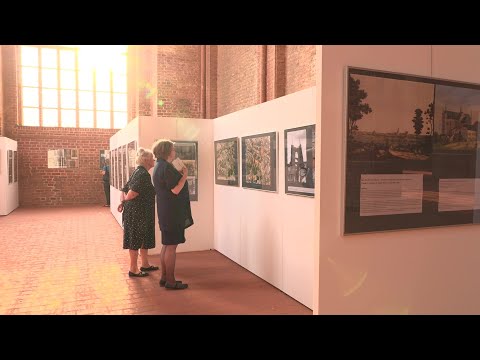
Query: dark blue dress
x=174 y=212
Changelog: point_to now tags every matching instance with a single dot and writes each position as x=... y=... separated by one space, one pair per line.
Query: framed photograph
x=187 y=151
x=63 y=158
x=113 y=175
x=226 y=162
x=300 y=161
x=15 y=166
x=411 y=149
x=10 y=166
x=119 y=169
x=125 y=165
x=132 y=157
x=259 y=161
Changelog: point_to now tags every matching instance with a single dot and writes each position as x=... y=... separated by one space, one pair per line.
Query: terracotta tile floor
x=71 y=261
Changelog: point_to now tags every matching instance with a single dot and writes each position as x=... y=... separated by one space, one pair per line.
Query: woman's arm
x=130 y=196
x=176 y=190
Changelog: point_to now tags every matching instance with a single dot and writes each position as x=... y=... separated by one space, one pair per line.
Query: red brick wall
x=1 y=94
x=38 y=185
x=299 y=67
x=237 y=77
x=289 y=68
x=211 y=81
x=178 y=80
x=270 y=72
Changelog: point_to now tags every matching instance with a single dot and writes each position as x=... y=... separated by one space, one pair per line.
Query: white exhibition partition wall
x=8 y=189
x=145 y=130
x=269 y=233
x=422 y=271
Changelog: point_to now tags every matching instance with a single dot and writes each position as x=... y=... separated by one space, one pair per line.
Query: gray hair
x=143 y=155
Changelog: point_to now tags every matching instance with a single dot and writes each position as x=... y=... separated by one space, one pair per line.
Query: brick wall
x=1 y=94
x=299 y=67
x=289 y=68
x=38 y=185
x=179 y=80
x=237 y=77
x=211 y=81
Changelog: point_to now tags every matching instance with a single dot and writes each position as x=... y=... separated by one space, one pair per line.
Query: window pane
x=67 y=98
x=120 y=83
x=67 y=79
x=31 y=117
x=119 y=120
x=103 y=119
x=103 y=80
x=69 y=118
x=120 y=102
x=29 y=55
x=29 y=76
x=49 y=58
x=49 y=98
x=119 y=65
x=49 y=78
x=85 y=80
x=67 y=59
x=86 y=119
x=30 y=97
x=50 y=117
x=103 y=101
x=85 y=100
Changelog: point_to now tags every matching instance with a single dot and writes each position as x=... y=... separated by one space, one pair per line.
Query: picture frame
x=259 y=161
x=300 y=161
x=226 y=162
x=187 y=151
x=410 y=151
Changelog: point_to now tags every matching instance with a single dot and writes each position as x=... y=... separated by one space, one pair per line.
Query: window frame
x=93 y=92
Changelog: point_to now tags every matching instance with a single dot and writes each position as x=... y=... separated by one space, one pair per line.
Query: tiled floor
x=71 y=261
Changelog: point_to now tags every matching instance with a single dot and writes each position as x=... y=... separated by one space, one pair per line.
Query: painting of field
x=259 y=161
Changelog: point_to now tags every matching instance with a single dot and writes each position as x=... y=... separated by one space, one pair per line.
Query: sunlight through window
x=82 y=86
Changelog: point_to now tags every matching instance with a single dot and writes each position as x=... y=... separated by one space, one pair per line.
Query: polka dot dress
x=139 y=214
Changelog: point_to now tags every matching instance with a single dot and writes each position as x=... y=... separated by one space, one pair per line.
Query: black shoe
x=150 y=268
x=176 y=286
x=140 y=274
x=163 y=282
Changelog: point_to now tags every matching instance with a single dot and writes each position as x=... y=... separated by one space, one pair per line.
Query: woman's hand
x=120 y=207
x=184 y=172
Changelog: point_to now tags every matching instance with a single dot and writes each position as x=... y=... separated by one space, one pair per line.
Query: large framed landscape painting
x=226 y=162
x=300 y=161
x=187 y=151
x=259 y=161
x=411 y=152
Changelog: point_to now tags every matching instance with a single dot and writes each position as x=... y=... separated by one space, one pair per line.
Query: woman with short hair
x=138 y=206
x=173 y=208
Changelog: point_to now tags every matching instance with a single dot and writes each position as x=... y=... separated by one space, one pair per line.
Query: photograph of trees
x=259 y=161
x=226 y=162
x=405 y=124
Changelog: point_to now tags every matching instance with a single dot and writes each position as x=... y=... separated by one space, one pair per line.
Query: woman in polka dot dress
x=138 y=216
